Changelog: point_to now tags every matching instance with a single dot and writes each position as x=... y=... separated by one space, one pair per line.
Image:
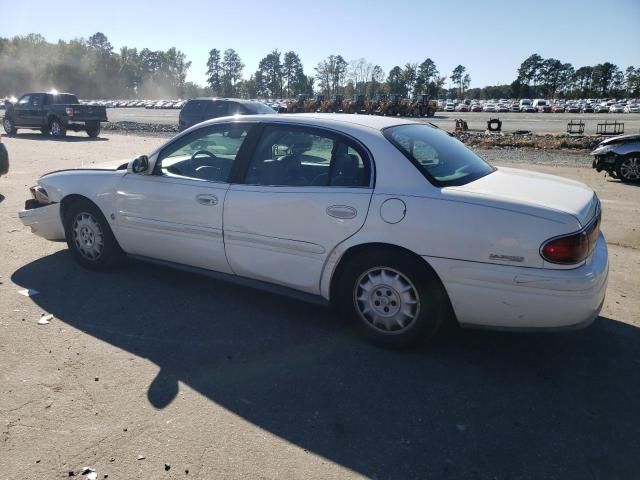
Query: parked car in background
x=602 y=108
x=489 y=107
x=450 y=107
x=541 y=105
x=198 y=110
x=525 y=104
x=475 y=107
x=587 y=108
x=558 y=108
x=632 y=108
x=53 y=113
x=515 y=107
x=395 y=222
x=572 y=108
x=502 y=108
x=616 y=108
x=4 y=159
x=462 y=107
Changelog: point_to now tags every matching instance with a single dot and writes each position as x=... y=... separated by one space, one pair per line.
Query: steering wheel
x=203 y=152
x=194 y=165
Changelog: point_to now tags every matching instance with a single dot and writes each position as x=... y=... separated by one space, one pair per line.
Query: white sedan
x=395 y=222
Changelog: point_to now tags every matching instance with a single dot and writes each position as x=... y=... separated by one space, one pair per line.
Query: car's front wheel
x=628 y=170
x=89 y=237
x=395 y=299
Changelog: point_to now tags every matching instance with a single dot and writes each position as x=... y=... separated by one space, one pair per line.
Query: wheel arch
x=51 y=117
x=358 y=249
x=68 y=200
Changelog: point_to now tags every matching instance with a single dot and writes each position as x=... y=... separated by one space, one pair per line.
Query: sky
x=489 y=37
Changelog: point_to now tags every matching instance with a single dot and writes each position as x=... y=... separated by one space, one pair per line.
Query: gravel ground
x=540 y=123
x=146 y=366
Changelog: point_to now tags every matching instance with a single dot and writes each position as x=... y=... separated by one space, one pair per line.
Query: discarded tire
x=494 y=125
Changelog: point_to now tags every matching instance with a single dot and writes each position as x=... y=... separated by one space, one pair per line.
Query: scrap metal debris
x=89 y=473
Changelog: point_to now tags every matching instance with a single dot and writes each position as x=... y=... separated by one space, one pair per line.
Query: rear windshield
x=444 y=160
x=64 y=99
x=258 y=108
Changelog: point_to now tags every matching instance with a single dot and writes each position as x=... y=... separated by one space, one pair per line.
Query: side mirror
x=140 y=164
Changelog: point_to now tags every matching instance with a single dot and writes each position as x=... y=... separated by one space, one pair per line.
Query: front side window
x=444 y=160
x=206 y=154
x=24 y=100
x=295 y=156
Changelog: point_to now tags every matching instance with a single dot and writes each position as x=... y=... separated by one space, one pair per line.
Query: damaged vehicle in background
x=619 y=157
x=394 y=222
x=4 y=159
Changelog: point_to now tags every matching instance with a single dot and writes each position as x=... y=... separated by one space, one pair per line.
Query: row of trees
x=93 y=69
x=282 y=75
x=551 y=78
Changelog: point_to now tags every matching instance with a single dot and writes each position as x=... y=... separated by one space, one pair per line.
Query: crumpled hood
x=533 y=193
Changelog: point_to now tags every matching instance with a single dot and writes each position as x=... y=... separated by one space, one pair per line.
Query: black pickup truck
x=53 y=113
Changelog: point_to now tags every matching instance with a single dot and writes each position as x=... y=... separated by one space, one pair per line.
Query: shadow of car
x=487 y=405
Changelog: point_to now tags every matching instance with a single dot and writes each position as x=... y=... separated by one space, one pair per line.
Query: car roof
x=324 y=119
x=216 y=99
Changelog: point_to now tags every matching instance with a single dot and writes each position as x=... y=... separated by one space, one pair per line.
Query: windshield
x=444 y=160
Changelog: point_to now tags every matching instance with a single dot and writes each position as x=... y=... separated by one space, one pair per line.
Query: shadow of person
x=478 y=405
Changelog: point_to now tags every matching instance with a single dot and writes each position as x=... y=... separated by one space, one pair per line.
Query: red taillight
x=572 y=248
x=69 y=111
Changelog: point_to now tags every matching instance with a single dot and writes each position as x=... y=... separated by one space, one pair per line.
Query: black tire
x=431 y=112
x=57 y=128
x=45 y=131
x=9 y=126
x=628 y=168
x=83 y=213
x=93 y=132
x=425 y=317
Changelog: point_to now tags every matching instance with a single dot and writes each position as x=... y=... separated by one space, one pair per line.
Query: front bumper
x=518 y=298
x=44 y=221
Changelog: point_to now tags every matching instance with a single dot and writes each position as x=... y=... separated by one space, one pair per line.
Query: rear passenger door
x=305 y=191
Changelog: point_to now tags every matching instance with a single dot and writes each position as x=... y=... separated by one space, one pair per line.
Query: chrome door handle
x=208 y=200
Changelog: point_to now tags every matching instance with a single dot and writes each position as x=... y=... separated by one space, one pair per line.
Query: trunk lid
x=534 y=193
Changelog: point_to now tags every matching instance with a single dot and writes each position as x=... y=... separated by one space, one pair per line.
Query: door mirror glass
x=140 y=164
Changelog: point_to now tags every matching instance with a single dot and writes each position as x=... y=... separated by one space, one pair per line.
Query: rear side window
x=304 y=157
x=196 y=106
x=64 y=99
x=217 y=109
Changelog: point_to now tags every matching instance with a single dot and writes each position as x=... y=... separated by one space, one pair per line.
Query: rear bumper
x=517 y=298
x=44 y=221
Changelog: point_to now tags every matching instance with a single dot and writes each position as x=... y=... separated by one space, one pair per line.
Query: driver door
x=175 y=213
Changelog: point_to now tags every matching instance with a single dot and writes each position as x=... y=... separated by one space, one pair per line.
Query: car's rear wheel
x=9 y=126
x=628 y=170
x=93 y=132
x=89 y=237
x=395 y=299
x=57 y=129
